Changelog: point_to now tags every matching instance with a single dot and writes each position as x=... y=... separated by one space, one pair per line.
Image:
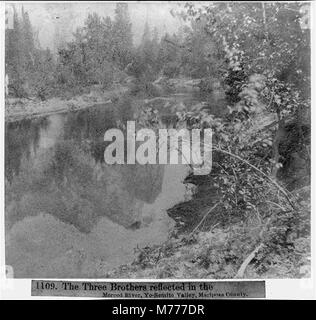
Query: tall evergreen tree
x=14 y=56
x=123 y=37
x=27 y=42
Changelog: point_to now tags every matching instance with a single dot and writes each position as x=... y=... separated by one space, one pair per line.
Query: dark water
x=67 y=213
x=70 y=214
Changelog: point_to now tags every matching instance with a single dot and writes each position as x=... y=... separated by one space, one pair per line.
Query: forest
x=246 y=70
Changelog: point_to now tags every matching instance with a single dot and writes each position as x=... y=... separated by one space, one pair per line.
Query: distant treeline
x=102 y=52
x=30 y=69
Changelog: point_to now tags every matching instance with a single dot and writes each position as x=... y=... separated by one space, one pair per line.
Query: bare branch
x=282 y=190
x=204 y=217
x=242 y=269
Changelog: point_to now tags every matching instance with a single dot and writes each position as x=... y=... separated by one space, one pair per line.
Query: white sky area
x=64 y=18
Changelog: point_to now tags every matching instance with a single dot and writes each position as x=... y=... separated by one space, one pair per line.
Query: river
x=70 y=215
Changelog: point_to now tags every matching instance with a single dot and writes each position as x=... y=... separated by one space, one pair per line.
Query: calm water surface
x=68 y=214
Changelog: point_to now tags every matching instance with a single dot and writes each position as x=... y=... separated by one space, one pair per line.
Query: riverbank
x=220 y=253
x=209 y=243
x=205 y=240
x=17 y=109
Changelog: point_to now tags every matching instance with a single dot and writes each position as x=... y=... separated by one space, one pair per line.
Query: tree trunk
x=280 y=132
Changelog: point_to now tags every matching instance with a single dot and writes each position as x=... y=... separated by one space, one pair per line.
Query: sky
x=49 y=18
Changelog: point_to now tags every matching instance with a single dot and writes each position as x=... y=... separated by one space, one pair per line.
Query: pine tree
x=27 y=42
x=123 y=38
x=14 y=57
x=146 y=47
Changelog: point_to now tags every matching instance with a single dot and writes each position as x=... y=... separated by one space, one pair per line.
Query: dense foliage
x=258 y=54
x=265 y=54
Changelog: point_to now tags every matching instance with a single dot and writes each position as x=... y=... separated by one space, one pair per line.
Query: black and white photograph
x=157 y=140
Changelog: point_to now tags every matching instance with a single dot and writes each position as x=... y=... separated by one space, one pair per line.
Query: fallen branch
x=287 y=119
x=157 y=99
x=242 y=269
x=204 y=217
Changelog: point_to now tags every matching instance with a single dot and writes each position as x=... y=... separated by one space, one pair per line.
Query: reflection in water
x=21 y=139
x=68 y=214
